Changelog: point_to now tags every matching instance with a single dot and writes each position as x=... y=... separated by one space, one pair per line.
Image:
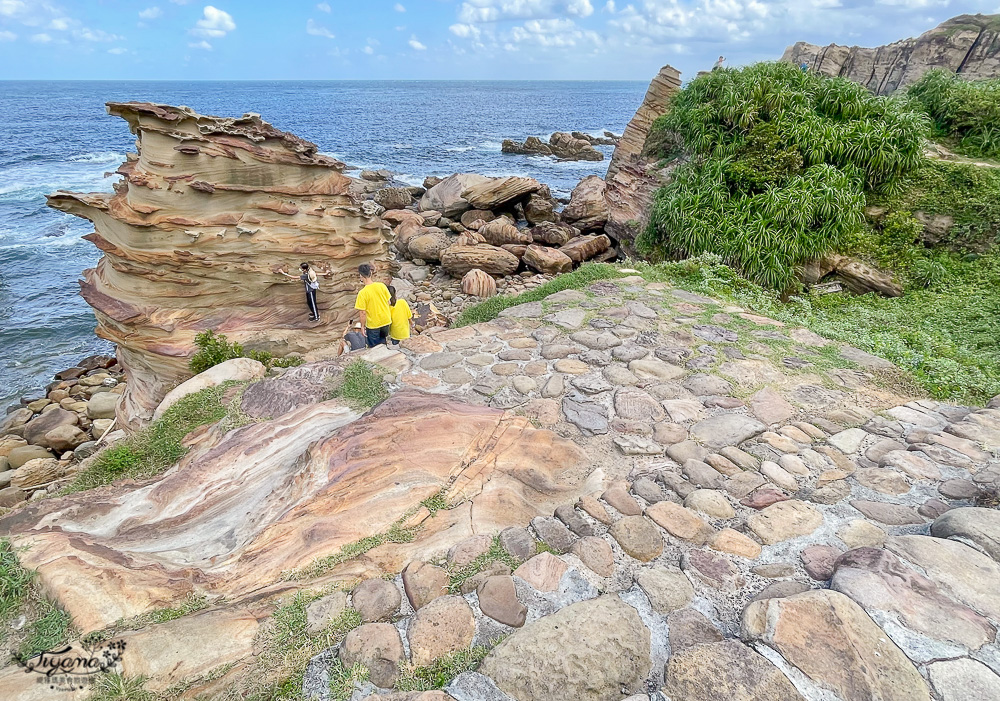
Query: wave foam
x=99 y=157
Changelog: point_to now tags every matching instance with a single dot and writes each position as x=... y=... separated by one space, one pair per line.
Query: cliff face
x=207 y=210
x=968 y=44
x=633 y=177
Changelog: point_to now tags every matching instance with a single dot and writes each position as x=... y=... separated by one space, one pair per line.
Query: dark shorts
x=377 y=336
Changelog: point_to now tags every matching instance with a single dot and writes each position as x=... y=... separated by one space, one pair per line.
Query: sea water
x=57 y=136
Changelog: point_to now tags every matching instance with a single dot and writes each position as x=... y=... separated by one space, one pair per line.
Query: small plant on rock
x=215 y=348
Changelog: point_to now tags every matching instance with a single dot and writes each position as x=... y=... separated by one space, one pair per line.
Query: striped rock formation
x=206 y=212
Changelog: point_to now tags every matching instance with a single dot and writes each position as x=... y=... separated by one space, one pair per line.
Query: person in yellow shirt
x=402 y=318
x=373 y=305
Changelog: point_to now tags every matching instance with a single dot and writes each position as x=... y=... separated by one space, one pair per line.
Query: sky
x=433 y=39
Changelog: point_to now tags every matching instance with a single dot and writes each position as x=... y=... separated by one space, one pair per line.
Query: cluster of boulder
x=575 y=146
x=478 y=228
x=43 y=438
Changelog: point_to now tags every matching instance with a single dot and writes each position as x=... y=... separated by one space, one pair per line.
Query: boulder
x=446 y=196
x=587 y=208
x=474 y=215
x=64 y=438
x=478 y=284
x=593 y=650
x=235 y=370
x=500 y=231
x=429 y=245
x=497 y=192
x=861 y=278
x=379 y=648
x=498 y=600
x=36 y=429
x=393 y=197
x=539 y=208
x=423 y=583
x=443 y=627
x=978 y=526
x=469 y=238
x=547 y=260
x=553 y=233
x=583 y=248
x=376 y=599
x=37 y=472
x=725 y=670
x=458 y=260
x=22 y=454
x=569 y=148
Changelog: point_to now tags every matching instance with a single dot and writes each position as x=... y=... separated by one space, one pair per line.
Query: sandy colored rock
x=378 y=647
x=785 y=520
x=542 y=572
x=596 y=554
x=680 y=522
x=376 y=599
x=498 y=600
x=622 y=501
x=459 y=260
x=496 y=192
x=834 y=643
x=325 y=610
x=589 y=651
x=860 y=533
x=710 y=502
x=889 y=514
x=725 y=670
x=594 y=509
x=979 y=526
x=735 y=543
x=725 y=429
x=37 y=472
x=36 y=429
x=962 y=679
x=547 y=260
x=423 y=583
x=446 y=196
x=444 y=626
x=638 y=537
x=770 y=407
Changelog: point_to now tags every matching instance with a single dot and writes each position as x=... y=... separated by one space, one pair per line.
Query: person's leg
x=384 y=334
x=372 y=337
x=313 y=309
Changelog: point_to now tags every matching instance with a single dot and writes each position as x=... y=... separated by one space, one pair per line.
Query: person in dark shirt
x=354 y=339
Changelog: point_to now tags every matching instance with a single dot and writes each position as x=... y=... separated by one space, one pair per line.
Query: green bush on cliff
x=779 y=165
x=215 y=348
x=967 y=111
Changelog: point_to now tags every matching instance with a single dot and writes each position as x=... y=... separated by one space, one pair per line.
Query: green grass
x=579 y=278
x=361 y=385
x=46 y=624
x=342 y=679
x=496 y=553
x=435 y=503
x=158 y=446
x=320 y=566
x=215 y=348
x=115 y=687
x=192 y=604
x=968 y=111
x=441 y=671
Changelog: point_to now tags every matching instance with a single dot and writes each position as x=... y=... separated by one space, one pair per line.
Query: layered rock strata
x=633 y=176
x=968 y=45
x=206 y=212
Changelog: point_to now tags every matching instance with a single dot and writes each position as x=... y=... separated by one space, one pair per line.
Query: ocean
x=56 y=135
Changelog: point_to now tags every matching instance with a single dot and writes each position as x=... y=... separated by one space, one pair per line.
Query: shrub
x=215 y=348
x=781 y=162
x=966 y=110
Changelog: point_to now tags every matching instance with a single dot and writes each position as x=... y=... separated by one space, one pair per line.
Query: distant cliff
x=967 y=44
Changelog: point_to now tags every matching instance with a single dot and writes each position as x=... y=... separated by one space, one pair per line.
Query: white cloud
x=398 y=7
x=214 y=24
x=318 y=30
x=60 y=24
x=465 y=30
x=118 y=51
x=400 y=27
x=95 y=35
x=204 y=45
x=368 y=50
x=7 y=36
x=12 y=8
x=580 y=8
x=41 y=38
x=150 y=13
x=415 y=43
x=497 y=10
x=324 y=7
x=609 y=6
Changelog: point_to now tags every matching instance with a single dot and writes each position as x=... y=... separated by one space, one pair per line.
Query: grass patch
x=441 y=671
x=192 y=604
x=158 y=446
x=215 y=348
x=46 y=626
x=396 y=533
x=496 y=553
x=342 y=679
x=361 y=385
x=581 y=277
x=115 y=687
x=435 y=503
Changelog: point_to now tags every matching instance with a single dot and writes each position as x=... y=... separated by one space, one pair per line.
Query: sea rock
x=550 y=261
x=479 y=284
x=393 y=197
x=587 y=209
x=37 y=472
x=446 y=196
x=500 y=232
x=36 y=429
x=497 y=192
x=834 y=643
x=227 y=203
x=235 y=370
x=553 y=233
x=21 y=455
x=591 y=651
x=459 y=260
x=102 y=406
x=428 y=245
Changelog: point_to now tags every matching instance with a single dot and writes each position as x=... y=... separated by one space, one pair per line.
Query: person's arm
x=282 y=272
x=364 y=318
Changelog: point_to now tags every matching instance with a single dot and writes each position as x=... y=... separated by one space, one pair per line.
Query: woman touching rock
x=309 y=278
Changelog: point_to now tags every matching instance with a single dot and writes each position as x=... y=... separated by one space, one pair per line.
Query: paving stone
x=779 y=442
x=710 y=502
x=442 y=627
x=744 y=460
x=688 y=627
x=543 y=572
x=617 y=375
x=680 y=522
x=638 y=537
x=932 y=508
x=958 y=489
x=915 y=417
x=530 y=310
x=686 y=450
x=524 y=385
x=590 y=416
x=913 y=463
x=676 y=483
x=518 y=542
x=714 y=570
x=764 y=497
x=323 y=611
x=703 y=385
x=714 y=334
x=574 y=521
x=774 y=570
x=702 y=474
x=622 y=501
x=875 y=452
x=423 y=583
x=494 y=569
x=544 y=411
x=889 y=514
x=882 y=480
x=832 y=493
x=596 y=340
x=725 y=430
x=979 y=526
x=649 y=490
x=594 y=509
x=796 y=434
x=637 y=445
x=785 y=520
x=963 y=680
x=779 y=590
x=740 y=486
x=571 y=366
x=632 y=403
x=793 y=464
x=467 y=550
x=376 y=600
x=667 y=588
x=555 y=351
x=596 y=554
x=654 y=369
x=770 y=407
x=818 y=561
x=436 y=361
x=568 y=318
x=498 y=600
x=553 y=387
x=722 y=465
x=731 y=541
x=628 y=352
x=378 y=648
x=861 y=534
x=591 y=384
x=725 y=670
x=848 y=441
x=596 y=358
x=507 y=398
x=553 y=533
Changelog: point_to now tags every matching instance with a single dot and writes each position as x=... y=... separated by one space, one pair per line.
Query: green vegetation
x=965 y=111
x=215 y=348
x=46 y=625
x=396 y=533
x=781 y=162
x=342 y=679
x=435 y=503
x=361 y=385
x=441 y=671
x=496 y=553
x=158 y=446
x=581 y=277
x=115 y=687
x=193 y=603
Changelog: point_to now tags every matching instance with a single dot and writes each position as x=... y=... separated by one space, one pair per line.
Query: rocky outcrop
x=968 y=45
x=207 y=210
x=633 y=176
x=566 y=147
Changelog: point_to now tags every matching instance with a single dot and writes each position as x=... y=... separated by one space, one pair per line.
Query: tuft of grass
x=441 y=671
x=46 y=626
x=581 y=277
x=116 y=687
x=396 y=533
x=342 y=679
x=435 y=503
x=496 y=553
x=192 y=604
x=361 y=385
x=158 y=446
x=215 y=348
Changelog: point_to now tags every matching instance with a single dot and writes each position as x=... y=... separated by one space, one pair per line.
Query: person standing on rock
x=719 y=63
x=311 y=282
x=402 y=318
x=373 y=305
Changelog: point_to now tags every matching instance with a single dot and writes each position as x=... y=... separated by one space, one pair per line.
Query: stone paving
x=777 y=522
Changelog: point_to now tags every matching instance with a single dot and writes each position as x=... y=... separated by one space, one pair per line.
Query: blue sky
x=432 y=39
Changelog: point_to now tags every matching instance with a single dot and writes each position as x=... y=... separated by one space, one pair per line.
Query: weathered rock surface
x=587 y=208
x=217 y=205
x=725 y=670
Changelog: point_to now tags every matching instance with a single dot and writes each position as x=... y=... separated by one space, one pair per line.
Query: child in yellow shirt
x=402 y=318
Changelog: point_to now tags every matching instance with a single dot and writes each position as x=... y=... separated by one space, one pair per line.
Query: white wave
x=402 y=147
x=100 y=157
x=459 y=149
x=490 y=145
